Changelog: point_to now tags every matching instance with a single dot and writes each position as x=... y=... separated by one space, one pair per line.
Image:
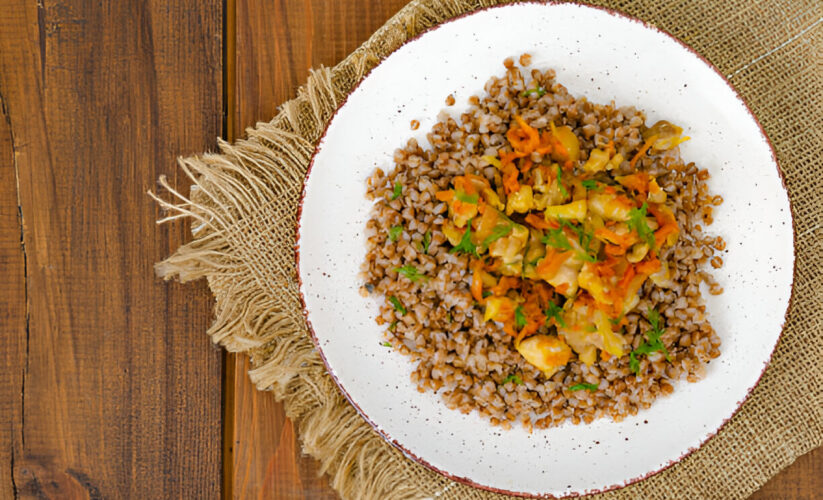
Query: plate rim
x=464 y=480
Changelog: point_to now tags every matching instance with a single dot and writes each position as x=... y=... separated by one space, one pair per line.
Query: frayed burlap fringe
x=243 y=201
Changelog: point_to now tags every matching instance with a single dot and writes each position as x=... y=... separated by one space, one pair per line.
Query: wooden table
x=109 y=387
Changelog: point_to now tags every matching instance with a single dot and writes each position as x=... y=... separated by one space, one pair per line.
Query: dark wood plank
x=803 y=480
x=276 y=43
x=118 y=392
x=12 y=310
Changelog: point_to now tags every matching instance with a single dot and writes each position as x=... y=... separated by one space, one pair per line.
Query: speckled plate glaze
x=604 y=56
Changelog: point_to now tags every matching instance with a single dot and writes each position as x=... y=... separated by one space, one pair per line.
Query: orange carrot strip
x=549 y=265
x=510 y=183
x=446 y=195
x=648 y=266
x=477 y=285
x=643 y=150
x=537 y=221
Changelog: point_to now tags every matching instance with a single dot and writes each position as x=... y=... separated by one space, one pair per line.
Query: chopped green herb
x=560 y=182
x=427 y=239
x=410 y=272
x=553 y=312
x=540 y=91
x=513 y=378
x=395 y=232
x=653 y=344
x=386 y=344
x=634 y=364
x=497 y=233
x=466 y=198
x=486 y=293
x=580 y=387
x=449 y=317
x=637 y=222
x=584 y=238
x=590 y=184
x=519 y=317
x=466 y=246
x=398 y=190
x=556 y=238
x=398 y=306
x=393 y=325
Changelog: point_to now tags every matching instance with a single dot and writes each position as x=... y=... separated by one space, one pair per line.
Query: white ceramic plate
x=603 y=56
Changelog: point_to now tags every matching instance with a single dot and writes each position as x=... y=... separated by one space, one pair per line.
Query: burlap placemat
x=243 y=206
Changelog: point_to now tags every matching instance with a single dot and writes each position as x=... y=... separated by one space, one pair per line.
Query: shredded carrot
x=562 y=288
x=508 y=158
x=510 y=183
x=524 y=138
x=648 y=266
x=549 y=264
x=627 y=278
x=446 y=195
x=621 y=240
x=643 y=150
x=666 y=221
x=537 y=221
x=477 y=284
x=463 y=209
x=527 y=164
x=545 y=146
x=504 y=285
x=638 y=182
x=614 y=250
x=604 y=356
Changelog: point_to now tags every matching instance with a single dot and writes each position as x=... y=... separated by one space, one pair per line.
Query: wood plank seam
x=7 y=118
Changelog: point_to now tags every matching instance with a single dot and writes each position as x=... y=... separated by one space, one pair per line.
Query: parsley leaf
x=410 y=272
x=588 y=387
x=590 y=184
x=540 y=91
x=512 y=378
x=637 y=222
x=557 y=239
x=465 y=198
x=398 y=306
x=634 y=364
x=519 y=317
x=398 y=190
x=392 y=325
x=560 y=182
x=427 y=239
x=486 y=293
x=584 y=238
x=395 y=232
x=653 y=344
x=497 y=233
x=553 y=312
x=386 y=344
x=466 y=246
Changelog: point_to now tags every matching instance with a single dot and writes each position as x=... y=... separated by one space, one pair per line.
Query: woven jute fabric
x=243 y=207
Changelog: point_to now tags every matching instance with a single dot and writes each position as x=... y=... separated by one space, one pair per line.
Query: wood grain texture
x=110 y=388
x=277 y=41
x=803 y=480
